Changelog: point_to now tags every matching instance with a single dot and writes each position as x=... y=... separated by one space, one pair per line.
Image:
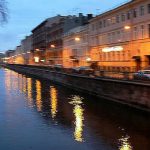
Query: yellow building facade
x=119 y=40
x=75 y=47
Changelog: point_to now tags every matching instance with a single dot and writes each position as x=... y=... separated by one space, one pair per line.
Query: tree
x=3 y=11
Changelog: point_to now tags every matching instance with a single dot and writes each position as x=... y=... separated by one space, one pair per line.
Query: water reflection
x=94 y=124
x=29 y=94
x=125 y=144
x=79 y=117
x=53 y=93
x=38 y=95
x=24 y=84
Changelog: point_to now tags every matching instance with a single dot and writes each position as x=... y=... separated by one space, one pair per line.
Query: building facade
x=55 y=43
x=9 y=56
x=40 y=39
x=75 y=49
x=119 y=39
x=26 y=46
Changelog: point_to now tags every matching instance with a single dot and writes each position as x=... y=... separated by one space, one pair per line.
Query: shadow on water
x=89 y=121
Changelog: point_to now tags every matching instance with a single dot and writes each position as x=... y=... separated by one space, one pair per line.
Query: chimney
x=80 y=15
x=90 y=16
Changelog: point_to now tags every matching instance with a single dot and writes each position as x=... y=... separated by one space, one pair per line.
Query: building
x=75 y=48
x=26 y=46
x=55 y=34
x=9 y=56
x=40 y=38
x=119 y=39
x=1 y=57
x=19 y=57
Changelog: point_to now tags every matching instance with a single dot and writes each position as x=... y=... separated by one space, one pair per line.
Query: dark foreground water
x=38 y=115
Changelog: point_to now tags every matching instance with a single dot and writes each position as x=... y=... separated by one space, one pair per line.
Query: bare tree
x=3 y=11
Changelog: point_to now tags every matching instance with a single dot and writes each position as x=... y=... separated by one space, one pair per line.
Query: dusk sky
x=24 y=15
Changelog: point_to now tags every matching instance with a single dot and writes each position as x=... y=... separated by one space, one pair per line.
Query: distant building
x=9 y=56
x=1 y=57
x=26 y=46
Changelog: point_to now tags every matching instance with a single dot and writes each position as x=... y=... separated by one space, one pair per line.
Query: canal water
x=39 y=115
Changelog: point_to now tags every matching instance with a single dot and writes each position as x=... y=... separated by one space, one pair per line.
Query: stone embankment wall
x=131 y=93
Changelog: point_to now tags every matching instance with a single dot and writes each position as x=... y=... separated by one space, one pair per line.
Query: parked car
x=142 y=75
x=58 y=67
x=83 y=70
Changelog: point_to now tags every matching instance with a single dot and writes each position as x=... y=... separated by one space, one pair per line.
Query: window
x=148 y=8
x=123 y=17
x=134 y=13
x=113 y=37
x=118 y=36
x=135 y=33
x=128 y=15
x=109 y=38
x=100 y=24
x=142 y=31
x=113 y=20
x=149 y=30
x=141 y=10
x=108 y=21
x=104 y=23
x=93 y=27
x=117 y=19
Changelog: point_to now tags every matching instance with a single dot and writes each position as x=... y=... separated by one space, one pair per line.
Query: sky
x=24 y=15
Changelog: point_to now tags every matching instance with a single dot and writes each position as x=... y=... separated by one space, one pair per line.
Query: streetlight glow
x=53 y=46
x=77 y=39
x=127 y=27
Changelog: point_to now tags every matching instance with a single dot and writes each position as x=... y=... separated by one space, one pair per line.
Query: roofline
x=41 y=24
x=113 y=10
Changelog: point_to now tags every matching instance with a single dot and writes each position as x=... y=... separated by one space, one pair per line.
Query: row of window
x=115 y=56
x=137 y=32
x=134 y=13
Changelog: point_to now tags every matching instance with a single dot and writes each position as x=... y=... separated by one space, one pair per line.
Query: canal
x=39 y=115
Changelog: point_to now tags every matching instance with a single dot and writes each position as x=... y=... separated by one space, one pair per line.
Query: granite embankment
x=134 y=94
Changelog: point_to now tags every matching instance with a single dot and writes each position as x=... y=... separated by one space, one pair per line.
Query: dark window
x=123 y=17
x=149 y=30
x=117 y=19
x=104 y=23
x=149 y=8
x=141 y=10
x=134 y=13
x=128 y=15
x=100 y=24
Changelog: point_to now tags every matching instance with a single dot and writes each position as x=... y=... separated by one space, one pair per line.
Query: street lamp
x=127 y=27
x=88 y=59
x=53 y=46
x=77 y=39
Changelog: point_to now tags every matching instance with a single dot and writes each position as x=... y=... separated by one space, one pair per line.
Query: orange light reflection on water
x=79 y=118
x=38 y=96
x=54 y=101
